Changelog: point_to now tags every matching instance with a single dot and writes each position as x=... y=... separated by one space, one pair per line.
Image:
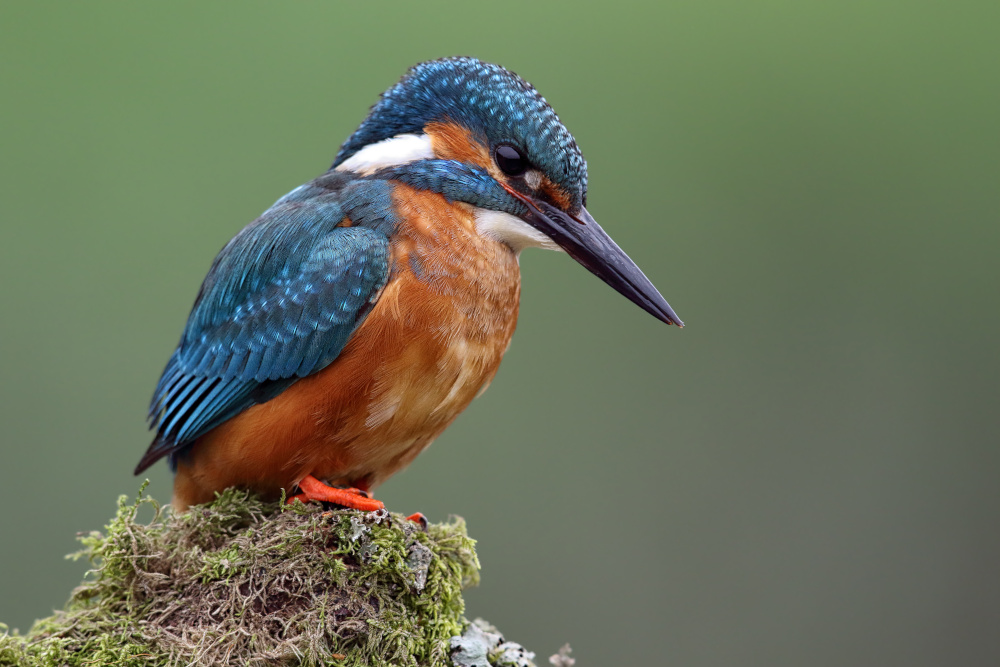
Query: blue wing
x=279 y=303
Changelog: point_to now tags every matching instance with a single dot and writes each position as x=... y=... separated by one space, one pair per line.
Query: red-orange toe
x=313 y=489
x=418 y=517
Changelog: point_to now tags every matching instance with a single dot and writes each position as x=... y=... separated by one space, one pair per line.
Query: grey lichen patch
x=482 y=645
x=419 y=559
x=240 y=581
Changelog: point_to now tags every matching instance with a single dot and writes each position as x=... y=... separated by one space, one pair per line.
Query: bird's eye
x=510 y=160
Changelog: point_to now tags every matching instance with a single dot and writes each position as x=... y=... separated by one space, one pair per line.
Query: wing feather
x=279 y=303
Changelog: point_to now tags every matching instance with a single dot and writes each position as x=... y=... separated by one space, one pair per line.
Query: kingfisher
x=338 y=334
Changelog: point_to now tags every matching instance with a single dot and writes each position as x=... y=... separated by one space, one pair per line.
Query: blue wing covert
x=279 y=303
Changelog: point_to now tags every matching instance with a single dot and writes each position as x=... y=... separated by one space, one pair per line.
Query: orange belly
x=432 y=342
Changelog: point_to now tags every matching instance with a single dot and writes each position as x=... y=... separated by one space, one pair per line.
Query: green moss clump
x=241 y=581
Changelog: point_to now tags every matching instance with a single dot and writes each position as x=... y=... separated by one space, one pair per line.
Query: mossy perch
x=241 y=581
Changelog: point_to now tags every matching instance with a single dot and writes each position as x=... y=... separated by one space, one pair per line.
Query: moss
x=241 y=581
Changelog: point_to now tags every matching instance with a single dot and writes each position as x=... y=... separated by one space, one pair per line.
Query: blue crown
x=495 y=104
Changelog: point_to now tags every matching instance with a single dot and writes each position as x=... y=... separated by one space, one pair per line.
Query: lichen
x=482 y=645
x=242 y=581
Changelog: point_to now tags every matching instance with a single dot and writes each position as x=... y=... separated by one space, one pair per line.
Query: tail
x=160 y=448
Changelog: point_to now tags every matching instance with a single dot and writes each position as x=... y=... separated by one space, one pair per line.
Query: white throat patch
x=511 y=230
x=400 y=149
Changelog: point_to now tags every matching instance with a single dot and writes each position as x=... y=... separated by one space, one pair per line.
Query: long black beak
x=584 y=240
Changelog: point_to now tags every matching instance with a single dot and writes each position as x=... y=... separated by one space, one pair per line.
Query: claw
x=313 y=489
x=418 y=517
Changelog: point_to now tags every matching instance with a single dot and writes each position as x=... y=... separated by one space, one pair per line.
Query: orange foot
x=313 y=489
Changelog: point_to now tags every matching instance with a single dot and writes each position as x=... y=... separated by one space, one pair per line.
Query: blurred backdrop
x=805 y=475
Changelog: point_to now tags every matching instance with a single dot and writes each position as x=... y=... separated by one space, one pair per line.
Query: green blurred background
x=805 y=475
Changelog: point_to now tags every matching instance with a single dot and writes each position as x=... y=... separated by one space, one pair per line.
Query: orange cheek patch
x=453 y=142
x=555 y=193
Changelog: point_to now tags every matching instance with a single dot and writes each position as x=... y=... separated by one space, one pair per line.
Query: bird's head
x=480 y=134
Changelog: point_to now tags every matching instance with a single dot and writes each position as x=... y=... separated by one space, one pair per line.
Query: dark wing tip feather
x=157 y=450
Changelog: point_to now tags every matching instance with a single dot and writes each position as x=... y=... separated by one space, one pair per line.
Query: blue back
x=279 y=303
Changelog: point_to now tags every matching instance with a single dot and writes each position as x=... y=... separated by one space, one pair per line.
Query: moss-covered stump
x=243 y=582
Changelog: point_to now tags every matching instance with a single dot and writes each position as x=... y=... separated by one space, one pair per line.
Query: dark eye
x=510 y=160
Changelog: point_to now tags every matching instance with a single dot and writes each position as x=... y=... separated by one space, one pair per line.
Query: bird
x=338 y=334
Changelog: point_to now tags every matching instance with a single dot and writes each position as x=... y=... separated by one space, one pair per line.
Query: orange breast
x=432 y=342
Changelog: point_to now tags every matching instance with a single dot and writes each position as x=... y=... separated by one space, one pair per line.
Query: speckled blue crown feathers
x=494 y=103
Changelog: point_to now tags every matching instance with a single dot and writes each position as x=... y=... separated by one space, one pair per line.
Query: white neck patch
x=400 y=149
x=511 y=230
